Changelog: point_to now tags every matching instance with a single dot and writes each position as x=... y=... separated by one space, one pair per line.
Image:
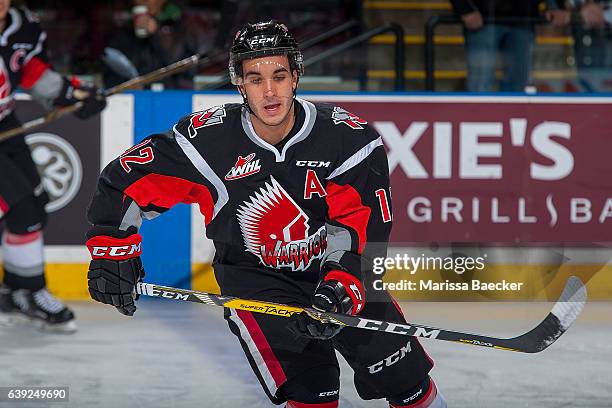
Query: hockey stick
x=563 y=314
x=156 y=75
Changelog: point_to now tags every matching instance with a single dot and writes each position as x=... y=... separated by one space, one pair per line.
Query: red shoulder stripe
x=346 y=207
x=167 y=191
x=32 y=71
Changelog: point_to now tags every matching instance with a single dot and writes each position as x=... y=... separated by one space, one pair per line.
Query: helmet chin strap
x=245 y=101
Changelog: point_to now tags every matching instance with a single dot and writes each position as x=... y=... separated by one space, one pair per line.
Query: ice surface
x=177 y=354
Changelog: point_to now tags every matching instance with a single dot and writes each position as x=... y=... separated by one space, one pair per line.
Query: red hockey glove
x=114 y=270
x=339 y=292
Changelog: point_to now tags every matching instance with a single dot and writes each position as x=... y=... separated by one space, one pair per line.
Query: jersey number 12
x=145 y=155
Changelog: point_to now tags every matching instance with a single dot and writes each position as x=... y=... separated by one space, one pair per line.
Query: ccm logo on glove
x=105 y=247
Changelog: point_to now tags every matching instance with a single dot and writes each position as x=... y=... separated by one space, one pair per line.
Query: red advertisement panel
x=496 y=169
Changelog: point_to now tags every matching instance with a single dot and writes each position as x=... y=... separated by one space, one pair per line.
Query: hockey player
x=24 y=63
x=295 y=196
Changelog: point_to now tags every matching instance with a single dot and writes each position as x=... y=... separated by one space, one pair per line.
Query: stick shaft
x=138 y=81
x=549 y=330
x=156 y=75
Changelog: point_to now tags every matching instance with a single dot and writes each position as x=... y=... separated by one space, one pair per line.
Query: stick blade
x=564 y=313
x=571 y=302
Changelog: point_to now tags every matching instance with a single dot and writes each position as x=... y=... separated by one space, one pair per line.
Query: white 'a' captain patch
x=276 y=229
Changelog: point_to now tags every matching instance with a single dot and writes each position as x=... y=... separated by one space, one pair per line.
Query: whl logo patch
x=353 y=121
x=276 y=230
x=209 y=117
x=245 y=166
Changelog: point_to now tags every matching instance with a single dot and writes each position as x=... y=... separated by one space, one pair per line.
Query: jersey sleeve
x=37 y=77
x=144 y=182
x=35 y=62
x=359 y=214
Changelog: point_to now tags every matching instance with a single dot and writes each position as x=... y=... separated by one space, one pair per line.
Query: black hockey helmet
x=261 y=39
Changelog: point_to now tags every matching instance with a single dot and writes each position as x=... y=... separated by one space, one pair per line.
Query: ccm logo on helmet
x=263 y=41
x=117 y=251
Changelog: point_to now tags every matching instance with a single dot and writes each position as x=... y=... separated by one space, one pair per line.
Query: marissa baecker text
x=430 y=285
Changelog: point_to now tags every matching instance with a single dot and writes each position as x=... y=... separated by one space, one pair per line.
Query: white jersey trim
x=12 y=29
x=132 y=217
x=200 y=164
x=359 y=156
x=338 y=243
x=39 y=46
x=257 y=357
x=309 y=121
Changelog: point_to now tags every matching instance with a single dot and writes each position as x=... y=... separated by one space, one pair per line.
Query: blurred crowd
x=506 y=29
x=121 y=39
x=113 y=40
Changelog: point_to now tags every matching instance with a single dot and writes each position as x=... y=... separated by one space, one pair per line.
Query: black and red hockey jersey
x=276 y=214
x=23 y=57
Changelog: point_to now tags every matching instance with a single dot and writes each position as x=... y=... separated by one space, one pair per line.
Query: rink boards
x=465 y=170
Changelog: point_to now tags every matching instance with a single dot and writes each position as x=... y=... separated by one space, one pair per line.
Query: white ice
x=174 y=354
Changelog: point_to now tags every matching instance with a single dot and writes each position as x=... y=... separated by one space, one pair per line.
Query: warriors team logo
x=245 y=166
x=340 y=115
x=209 y=117
x=59 y=167
x=276 y=230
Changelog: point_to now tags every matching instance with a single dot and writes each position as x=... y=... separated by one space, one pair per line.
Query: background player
x=295 y=197
x=24 y=63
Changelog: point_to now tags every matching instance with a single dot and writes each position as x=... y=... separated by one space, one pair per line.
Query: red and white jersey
x=23 y=57
x=321 y=195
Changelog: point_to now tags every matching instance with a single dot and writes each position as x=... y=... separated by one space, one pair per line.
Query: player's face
x=269 y=85
x=4 y=6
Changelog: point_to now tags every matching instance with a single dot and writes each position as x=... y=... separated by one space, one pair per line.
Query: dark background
x=67 y=225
